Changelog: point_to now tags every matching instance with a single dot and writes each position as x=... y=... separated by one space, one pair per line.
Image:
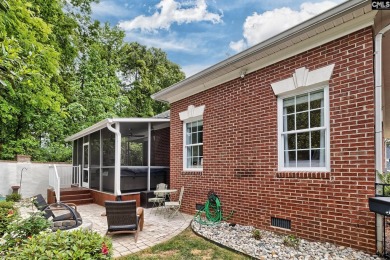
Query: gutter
x=379 y=128
x=118 y=138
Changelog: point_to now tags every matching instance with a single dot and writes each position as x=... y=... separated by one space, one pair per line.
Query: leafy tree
x=145 y=72
x=60 y=72
x=28 y=65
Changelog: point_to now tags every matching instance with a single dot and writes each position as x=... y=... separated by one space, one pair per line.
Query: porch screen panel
x=108 y=169
x=108 y=140
x=79 y=151
x=94 y=146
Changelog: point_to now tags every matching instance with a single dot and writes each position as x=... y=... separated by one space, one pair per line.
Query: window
x=193 y=145
x=304 y=131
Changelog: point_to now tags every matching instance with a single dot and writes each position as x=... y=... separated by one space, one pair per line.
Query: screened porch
x=123 y=155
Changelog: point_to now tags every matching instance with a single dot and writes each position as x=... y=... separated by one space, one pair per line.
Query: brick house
x=290 y=130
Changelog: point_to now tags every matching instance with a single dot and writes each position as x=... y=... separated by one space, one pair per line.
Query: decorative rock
x=271 y=246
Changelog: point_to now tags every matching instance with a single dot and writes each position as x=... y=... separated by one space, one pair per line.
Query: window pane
x=201 y=150
x=303 y=158
x=194 y=138
x=189 y=163
x=316 y=139
x=318 y=158
x=189 y=152
x=290 y=122
x=194 y=127
x=302 y=120
x=289 y=159
x=317 y=118
x=200 y=126
x=200 y=137
x=302 y=103
x=303 y=140
x=188 y=138
x=291 y=142
x=195 y=151
x=289 y=105
x=316 y=99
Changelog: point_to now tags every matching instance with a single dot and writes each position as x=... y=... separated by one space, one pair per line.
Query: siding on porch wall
x=240 y=149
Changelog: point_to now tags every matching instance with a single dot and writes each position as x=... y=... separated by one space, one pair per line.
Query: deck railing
x=63 y=176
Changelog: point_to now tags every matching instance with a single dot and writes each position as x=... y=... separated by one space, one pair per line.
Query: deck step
x=77 y=196
x=79 y=201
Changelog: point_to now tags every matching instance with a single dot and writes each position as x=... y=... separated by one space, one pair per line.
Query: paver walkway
x=156 y=229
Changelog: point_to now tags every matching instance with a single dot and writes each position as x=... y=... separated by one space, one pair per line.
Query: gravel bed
x=271 y=245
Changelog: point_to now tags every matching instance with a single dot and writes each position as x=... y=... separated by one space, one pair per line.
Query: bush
x=21 y=229
x=78 y=244
x=16 y=197
x=7 y=215
x=291 y=241
x=256 y=234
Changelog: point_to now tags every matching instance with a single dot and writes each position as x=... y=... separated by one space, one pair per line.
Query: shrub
x=256 y=234
x=7 y=215
x=78 y=244
x=21 y=229
x=13 y=197
x=291 y=241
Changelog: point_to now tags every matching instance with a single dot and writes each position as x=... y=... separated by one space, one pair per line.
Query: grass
x=186 y=245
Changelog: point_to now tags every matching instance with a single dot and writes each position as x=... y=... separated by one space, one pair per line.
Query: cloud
x=170 y=42
x=192 y=69
x=238 y=45
x=109 y=8
x=259 y=27
x=171 y=12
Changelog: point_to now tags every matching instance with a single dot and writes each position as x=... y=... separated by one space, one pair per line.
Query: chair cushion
x=122 y=228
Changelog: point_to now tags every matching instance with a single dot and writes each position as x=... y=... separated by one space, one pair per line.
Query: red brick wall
x=240 y=149
x=160 y=147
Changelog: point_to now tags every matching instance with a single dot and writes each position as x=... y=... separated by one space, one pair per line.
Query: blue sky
x=197 y=34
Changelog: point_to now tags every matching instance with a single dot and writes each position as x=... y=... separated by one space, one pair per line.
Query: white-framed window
x=192 y=138
x=303 y=131
x=193 y=144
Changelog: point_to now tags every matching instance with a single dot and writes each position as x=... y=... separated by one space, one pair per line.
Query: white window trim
x=192 y=114
x=304 y=81
x=327 y=133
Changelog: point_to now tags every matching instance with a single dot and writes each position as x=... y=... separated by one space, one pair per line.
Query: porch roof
x=341 y=20
x=102 y=124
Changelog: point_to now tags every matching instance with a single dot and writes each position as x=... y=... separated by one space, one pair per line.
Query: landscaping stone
x=271 y=245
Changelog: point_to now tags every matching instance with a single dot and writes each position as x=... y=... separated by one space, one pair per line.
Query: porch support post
x=149 y=149
x=118 y=137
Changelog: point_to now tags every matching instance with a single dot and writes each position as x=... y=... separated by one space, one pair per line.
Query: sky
x=197 y=34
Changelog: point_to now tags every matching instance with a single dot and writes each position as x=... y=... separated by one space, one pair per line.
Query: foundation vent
x=281 y=223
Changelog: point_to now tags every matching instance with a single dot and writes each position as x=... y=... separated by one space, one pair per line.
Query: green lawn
x=186 y=245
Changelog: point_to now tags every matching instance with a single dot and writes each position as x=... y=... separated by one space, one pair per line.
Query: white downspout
x=149 y=151
x=118 y=138
x=378 y=127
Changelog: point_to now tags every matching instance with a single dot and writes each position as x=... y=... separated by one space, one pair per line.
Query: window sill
x=189 y=172
x=303 y=175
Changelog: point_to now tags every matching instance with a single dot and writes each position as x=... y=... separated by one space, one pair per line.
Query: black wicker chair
x=69 y=211
x=122 y=217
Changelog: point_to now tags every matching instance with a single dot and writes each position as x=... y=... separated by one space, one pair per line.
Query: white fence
x=32 y=181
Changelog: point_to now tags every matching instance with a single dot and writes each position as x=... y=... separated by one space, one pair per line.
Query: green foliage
x=7 y=215
x=256 y=234
x=15 y=197
x=385 y=179
x=61 y=71
x=291 y=241
x=21 y=229
x=79 y=244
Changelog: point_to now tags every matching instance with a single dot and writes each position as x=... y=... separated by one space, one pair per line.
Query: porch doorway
x=85 y=177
